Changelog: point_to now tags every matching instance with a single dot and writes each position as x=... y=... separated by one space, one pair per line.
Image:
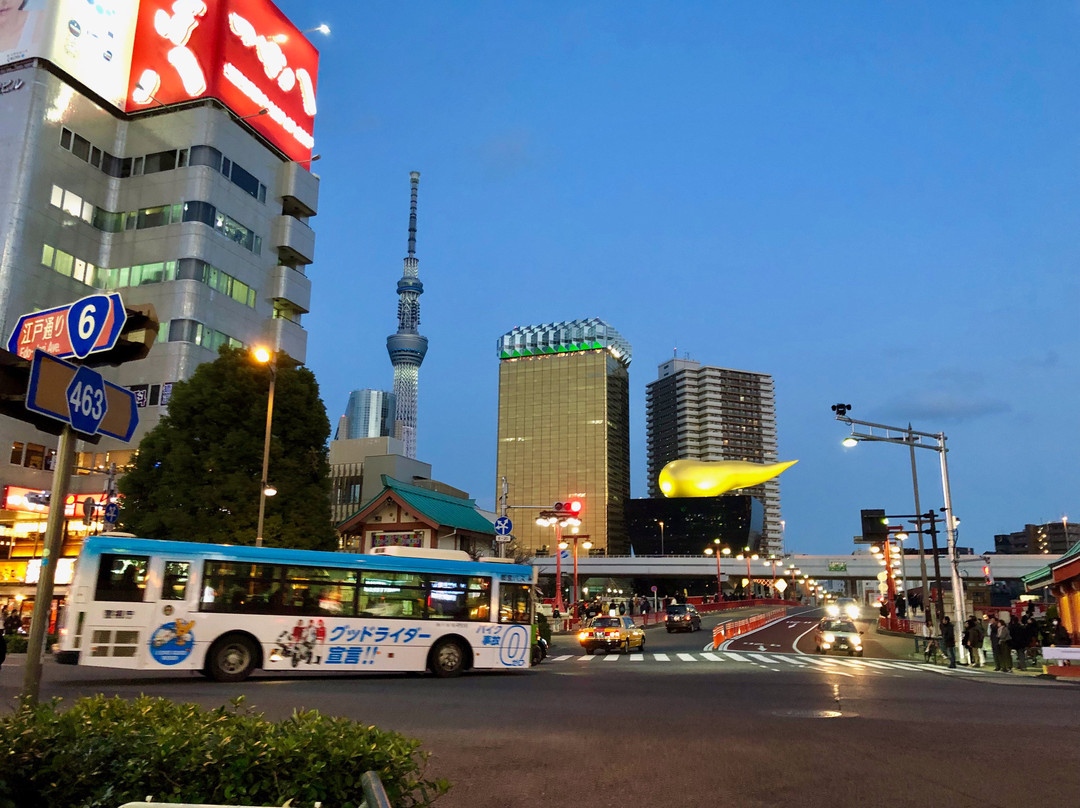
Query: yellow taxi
x=612 y=634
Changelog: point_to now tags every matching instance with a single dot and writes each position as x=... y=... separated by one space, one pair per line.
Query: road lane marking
x=637 y=657
x=562 y=658
x=819 y=661
x=661 y=658
x=712 y=657
x=735 y=656
x=762 y=658
x=586 y=658
x=611 y=657
x=790 y=661
x=687 y=657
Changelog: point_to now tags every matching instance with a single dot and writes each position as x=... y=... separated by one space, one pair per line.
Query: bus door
x=172 y=621
x=110 y=627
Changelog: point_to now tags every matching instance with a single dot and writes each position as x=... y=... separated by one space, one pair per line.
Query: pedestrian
x=1033 y=644
x=622 y=608
x=1059 y=635
x=973 y=638
x=1005 y=645
x=995 y=647
x=948 y=637
x=1018 y=641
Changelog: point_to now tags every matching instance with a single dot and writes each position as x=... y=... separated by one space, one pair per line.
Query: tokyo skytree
x=407 y=348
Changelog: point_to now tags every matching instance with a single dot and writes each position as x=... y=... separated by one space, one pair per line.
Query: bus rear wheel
x=231 y=659
x=447 y=658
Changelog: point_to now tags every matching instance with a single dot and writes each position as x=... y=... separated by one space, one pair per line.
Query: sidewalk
x=903 y=647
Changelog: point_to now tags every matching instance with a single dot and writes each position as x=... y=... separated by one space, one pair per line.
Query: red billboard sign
x=34 y=500
x=245 y=53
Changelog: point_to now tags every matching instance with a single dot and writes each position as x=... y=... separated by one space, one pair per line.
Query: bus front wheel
x=447 y=658
x=231 y=659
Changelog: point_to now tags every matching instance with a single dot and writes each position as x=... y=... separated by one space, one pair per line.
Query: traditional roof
x=1044 y=576
x=430 y=506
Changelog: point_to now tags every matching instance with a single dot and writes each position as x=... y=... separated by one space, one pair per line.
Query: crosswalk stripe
x=874 y=663
x=586 y=658
x=611 y=657
x=637 y=657
x=661 y=657
x=687 y=657
x=562 y=658
x=735 y=656
x=819 y=661
x=851 y=663
x=790 y=661
x=762 y=658
x=712 y=658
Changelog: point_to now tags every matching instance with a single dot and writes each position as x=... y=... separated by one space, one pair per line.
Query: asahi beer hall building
x=161 y=149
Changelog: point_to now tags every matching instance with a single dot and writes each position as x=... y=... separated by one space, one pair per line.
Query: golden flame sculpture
x=702 y=478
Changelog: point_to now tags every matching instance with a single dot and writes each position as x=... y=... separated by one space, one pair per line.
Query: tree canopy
x=197 y=474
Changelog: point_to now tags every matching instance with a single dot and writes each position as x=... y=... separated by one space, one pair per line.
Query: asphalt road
x=675 y=728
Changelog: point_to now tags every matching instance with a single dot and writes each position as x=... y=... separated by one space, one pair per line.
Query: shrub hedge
x=103 y=752
x=16 y=643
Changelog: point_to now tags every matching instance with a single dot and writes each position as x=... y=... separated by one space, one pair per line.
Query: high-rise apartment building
x=710 y=413
x=1051 y=537
x=369 y=414
x=162 y=151
x=564 y=428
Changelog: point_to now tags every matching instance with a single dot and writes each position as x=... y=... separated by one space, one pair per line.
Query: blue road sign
x=112 y=512
x=86 y=400
x=87 y=326
x=81 y=397
x=503 y=526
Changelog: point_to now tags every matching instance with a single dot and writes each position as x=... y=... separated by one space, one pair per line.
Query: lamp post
x=588 y=546
x=264 y=356
x=716 y=552
x=914 y=439
x=661 y=537
x=772 y=561
x=745 y=554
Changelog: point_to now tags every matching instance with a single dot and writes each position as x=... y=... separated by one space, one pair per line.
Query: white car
x=847 y=608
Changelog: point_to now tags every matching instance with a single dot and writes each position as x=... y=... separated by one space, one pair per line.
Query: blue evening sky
x=875 y=203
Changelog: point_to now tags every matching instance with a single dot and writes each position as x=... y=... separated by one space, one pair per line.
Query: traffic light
x=136 y=338
x=875 y=527
x=988 y=576
x=574 y=506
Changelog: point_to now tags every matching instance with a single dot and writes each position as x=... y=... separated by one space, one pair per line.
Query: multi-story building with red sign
x=160 y=149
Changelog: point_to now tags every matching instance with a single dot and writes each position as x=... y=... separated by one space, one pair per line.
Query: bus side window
x=174 y=581
x=121 y=578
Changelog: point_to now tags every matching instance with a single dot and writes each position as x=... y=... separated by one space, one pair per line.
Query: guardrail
x=370 y=785
x=733 y=628
x=568 y=625
x=898 y=624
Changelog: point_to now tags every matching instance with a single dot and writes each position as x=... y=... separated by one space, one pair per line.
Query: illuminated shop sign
x=65 y=571
x=139 y=54
x=412 y=538
x=34 y=500
x=245 y=53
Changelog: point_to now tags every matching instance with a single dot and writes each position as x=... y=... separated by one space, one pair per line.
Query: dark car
x=683 y=617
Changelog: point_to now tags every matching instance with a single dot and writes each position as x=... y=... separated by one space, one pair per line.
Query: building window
x=17 y=453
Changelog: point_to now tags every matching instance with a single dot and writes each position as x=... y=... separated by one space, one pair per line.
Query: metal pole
x=575 y=570
x=54 y=538
x=661 y=538
x=918 y=527
x=266 y=454
x=558 y=569
x=719 y=587
x=502 y=512
x=950 y=533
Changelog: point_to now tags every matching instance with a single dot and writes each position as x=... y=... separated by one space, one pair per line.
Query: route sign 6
x=85 y=327
x=86 y=400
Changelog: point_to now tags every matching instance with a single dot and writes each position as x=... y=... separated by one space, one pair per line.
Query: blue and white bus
x=229 y=610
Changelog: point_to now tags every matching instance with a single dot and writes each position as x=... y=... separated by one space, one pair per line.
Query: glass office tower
x=564 y=429
x=369 y=414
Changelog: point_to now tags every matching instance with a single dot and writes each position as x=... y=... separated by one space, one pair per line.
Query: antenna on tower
x=414 y=179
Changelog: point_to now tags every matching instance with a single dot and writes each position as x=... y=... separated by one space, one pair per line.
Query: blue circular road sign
x=86 y=400
x=112 y=512
x=503 y=526
x=85 y=321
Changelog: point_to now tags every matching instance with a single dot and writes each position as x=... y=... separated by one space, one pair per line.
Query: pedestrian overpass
x=861 y=567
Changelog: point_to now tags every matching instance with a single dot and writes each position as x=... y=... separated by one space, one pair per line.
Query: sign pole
x=54 y=538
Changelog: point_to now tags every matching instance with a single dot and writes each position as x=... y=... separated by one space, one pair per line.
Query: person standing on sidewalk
x=948 y=638
x=973 y=638
x=1018 y=641
x=995 y=644
x=1004 y=643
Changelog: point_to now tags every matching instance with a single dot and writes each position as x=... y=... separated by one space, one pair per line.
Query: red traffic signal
x=574 y=506
x=987 y=574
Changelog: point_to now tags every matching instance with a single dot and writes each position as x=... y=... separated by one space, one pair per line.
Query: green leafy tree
x=197 y=474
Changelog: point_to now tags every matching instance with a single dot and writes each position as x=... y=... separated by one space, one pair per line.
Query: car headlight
x=858 y=647
x=583 y=635
x=853 y=611
x=830 y=638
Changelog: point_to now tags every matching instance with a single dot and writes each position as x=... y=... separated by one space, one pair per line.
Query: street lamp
x=265 y=357
x=746 y=554
x=661 y=537
x=914 y=439
x=717 y=552
x=772 y=561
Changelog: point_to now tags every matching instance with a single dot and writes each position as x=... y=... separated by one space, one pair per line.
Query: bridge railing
x=567 y=625
x=733 y=628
